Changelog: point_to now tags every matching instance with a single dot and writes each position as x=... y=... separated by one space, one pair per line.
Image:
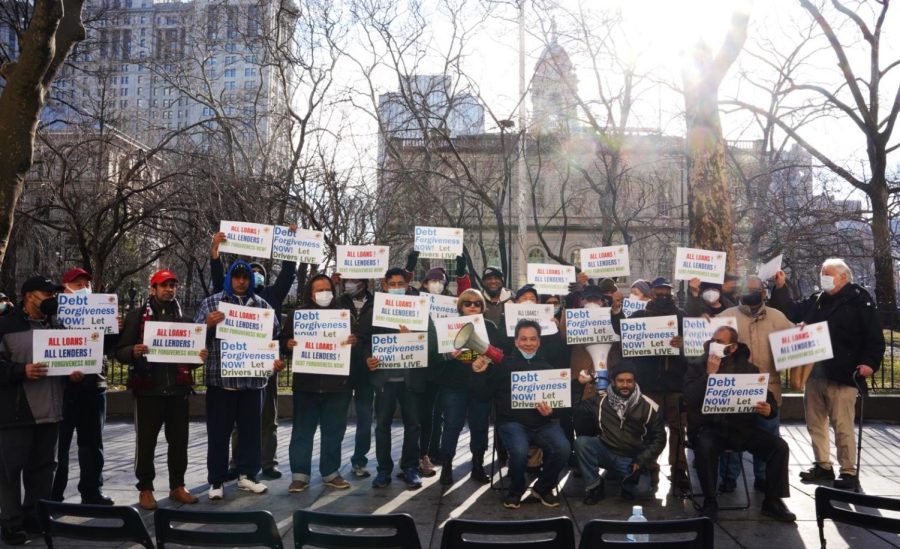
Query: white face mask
x=717 y=349
x=591 y=305
x=434 y=286
x=826 y=282
x=352 y=288
x=323 y=299
x=710 y=296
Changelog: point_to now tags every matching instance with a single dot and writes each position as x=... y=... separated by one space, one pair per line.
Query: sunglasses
x=478 y=304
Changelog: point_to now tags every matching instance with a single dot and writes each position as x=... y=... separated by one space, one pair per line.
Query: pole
x=522 y=221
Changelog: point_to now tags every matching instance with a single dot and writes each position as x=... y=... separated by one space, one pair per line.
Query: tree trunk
x=885 y=292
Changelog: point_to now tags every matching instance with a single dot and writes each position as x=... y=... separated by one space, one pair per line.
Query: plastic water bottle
x=637 y=515
x=602 y=380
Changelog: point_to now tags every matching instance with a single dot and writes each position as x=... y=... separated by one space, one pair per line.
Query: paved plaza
x=432 y=505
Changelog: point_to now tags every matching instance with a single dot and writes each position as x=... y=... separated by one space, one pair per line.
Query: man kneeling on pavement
x=712 y=434
x=621 y=431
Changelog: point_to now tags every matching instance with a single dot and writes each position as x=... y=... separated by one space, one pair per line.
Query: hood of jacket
x=229 y=291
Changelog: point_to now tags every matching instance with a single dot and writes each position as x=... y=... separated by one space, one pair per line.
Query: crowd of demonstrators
x=617 y=427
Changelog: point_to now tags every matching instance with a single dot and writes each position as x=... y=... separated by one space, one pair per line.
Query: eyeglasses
x=478 y=304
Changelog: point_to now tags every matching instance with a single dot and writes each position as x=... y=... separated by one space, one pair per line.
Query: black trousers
x=151 y=414
x=84 y=413
x=710 y=443
x=27 y=458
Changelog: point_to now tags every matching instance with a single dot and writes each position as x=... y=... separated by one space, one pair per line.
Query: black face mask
x=661 y=304
x=752 y=299
x=49 y=306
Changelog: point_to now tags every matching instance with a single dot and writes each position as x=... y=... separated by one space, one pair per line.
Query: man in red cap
x=161 y=392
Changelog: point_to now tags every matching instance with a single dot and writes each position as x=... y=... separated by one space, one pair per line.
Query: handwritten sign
x=697 y=331
x=734 y=393
x=551 y=279
x=439 y=242
x=441 y=306
x=321 y=355
x=606 y=261
x=242 y=359
x=67 y=351
x=540 y=313
x=250 y=239
x=327 y=323
x=302 y=245
x=362 y=261
x=242 y=323
x=649 y=336
x=174 y=341
x=94 y=311
x=799 y=346
x=447 y=328
x=393 y=311
x=584 y=326
x=768 y=269
x=400 y=351
x=631 y=306
x=707 y=265
x=528 y=389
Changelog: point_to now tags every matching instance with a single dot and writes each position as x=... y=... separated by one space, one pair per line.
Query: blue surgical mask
x=79 y=291
x=528 y=356
x=258 y=280
x=397 y=291
x=557 y=308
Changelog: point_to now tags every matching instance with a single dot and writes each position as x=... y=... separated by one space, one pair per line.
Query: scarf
x=622 y=405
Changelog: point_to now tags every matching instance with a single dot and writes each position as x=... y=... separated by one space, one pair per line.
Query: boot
x=447 y=472
x=478 y=474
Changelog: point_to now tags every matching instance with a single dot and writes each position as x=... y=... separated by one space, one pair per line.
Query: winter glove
x=411 y=261
x=460 y=266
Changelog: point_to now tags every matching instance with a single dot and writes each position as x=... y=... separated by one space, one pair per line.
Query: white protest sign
x=631 y=306
x=528 y=389
x=606 y=261
x=250 y=239
x=707 y=265
x=94 y=311
x=447 y=328
x=321 y=355
x=768 y=269
x=362 y=261
x=302 y=245
x=551 y=279
x=400 y=351
x=327 y=323
x=393 y=311
x=250 y=324
x=442 y=306
x=67 y=351
x=439 y=242
x=697 y=331
x=585 y=326
x=649 y=336
x=734 y=393
x=799 y=346
x=174 y=341
x=540 y=313
x=242 y=359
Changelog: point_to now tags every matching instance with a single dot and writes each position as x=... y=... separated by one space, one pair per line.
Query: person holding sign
x=31 y=409
x=231 y=400
x=713 y=433
x=857 y=343
x=705 y=298
x=523 y=426
x=493 y=280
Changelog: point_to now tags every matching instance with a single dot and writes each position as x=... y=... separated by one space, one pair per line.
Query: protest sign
x=250 y=239
x=585 y=326
x=242 y=323
x=362 y=261
x=541 y=313
x=551 y=279
x=441 y=306
x=242 y=359
x=734 y=393
x=327 y=323
x=447 y=328
x=399 y=351
x=393 y=311
x=302 y=245
x=94 y=311
x=438 y=242
x=174 y=341
x=649 y=336
x=707 y=265
x=67 y=351
x=768 y=269
x=321 y=355
x=631 y=306
x=606 y=261
x=799 y=346
x=528 y=389
x=697 y=331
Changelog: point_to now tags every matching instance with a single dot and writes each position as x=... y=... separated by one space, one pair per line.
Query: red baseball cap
x=73 y=274
x=161 y=276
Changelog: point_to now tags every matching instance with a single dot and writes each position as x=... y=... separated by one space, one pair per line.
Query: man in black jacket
x=629 y=437
x=712 y=434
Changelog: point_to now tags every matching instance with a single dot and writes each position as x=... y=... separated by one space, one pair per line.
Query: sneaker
x=247 y=484
x=547 y=498
x=595 y=495
x=13 y=536
x=298 y=486
x=412 y=479
x=338 y=482
x=847 y=482
x=817 y=474
x=777 y=510
x=360 y=471
x=97 y=499
x=728 y=485
x=512 y=501
x=271 y=473
x=216 y=492
x=382 y=479
x=426 y=468
x=710 y=509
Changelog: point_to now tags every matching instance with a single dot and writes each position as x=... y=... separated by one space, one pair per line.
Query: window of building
x=230 y=73
x=575 y=256
x=536 y=255
x=250 y=71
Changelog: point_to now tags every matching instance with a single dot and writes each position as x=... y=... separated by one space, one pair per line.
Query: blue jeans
x=770 y=426
x=386 y=399
x=327 y=411
x=456 y=406
x=549 y=438
x=592 y=455
x=84 y=411
x=363 y=398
